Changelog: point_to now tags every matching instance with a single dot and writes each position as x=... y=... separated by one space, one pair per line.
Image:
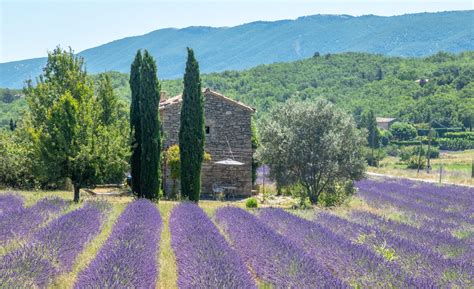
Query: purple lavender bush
x=28 y=267
x=21 y=223
x=128 y=258
x=351 y=262
x=448 y=205
x=273 y=258
x=203 y=257
x=10 y=203
x=52 y=250
x=438 y=241
x=426 y=265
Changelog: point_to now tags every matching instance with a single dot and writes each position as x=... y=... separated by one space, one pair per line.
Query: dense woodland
x=353 y=81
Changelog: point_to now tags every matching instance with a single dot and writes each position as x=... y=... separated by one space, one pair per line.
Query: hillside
x=248 y=45
x=353 y=81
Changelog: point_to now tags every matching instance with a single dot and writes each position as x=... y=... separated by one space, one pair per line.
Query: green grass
x=457 y=168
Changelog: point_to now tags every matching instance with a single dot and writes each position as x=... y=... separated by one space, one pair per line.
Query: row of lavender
x=128 y=257
x=19 y=222
x=283 y=250
x=52 y=249
x=428 y=205
x=427 y=245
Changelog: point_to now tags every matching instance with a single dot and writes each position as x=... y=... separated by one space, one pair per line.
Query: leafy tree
x=403 y=131
x=135 y=126
x=69 y=135
x=63 y=73
x=107 y=100
x=19 y=159
x=150 y=144
x=317 y=145
x=191 y=133
x=112 y=129
x=66 y=143
x=7 y=96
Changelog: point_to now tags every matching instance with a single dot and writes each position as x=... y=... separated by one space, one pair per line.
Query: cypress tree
x=373 y=137
x=150 y=158
x=12 y=125
x=191 y=133
x=135 y=127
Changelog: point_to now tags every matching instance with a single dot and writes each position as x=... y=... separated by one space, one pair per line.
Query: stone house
x=228 y=136
x=385 y=122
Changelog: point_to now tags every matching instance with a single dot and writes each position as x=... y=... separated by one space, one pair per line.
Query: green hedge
x=460 y=135
x=405 y=142
x=455 y=144
x=425 y=140
x=440 y=132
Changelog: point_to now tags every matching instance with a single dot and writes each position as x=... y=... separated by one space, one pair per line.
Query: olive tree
x=312 y=144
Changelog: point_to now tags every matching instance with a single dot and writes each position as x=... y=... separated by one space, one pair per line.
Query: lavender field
x=393 y=234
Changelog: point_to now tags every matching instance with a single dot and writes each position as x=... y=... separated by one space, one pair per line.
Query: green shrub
x=392 y=150
x=251 y=203
x=403 y=131
x=338 y=195
x=407 y=152
x=385 y=137
x=412 y=162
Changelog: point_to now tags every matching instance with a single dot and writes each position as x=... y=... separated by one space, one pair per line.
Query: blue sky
x=30 y=28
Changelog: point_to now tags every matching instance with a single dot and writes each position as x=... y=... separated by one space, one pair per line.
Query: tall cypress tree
x=369 y=121
x=135 y=126
x=150 y=158
x=191 y=133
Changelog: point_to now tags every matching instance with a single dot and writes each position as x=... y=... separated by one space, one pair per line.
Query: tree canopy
x=438 y=88
x=313 y=144
x=72 y=140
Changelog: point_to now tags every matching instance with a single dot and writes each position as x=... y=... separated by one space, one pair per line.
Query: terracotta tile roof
x=178 y=99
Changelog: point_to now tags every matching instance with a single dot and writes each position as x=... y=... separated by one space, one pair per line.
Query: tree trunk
x=76 y=193
x=313 y=198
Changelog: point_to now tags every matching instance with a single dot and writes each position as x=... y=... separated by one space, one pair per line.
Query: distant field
x=393 y=233
x=457 y=168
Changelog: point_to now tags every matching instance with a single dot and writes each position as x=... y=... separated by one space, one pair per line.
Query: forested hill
x=353 y=81
x=248 y=45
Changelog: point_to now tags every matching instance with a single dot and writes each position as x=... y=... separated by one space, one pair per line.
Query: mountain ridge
x=263 y=42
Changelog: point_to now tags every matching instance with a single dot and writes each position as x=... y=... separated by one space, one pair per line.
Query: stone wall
x=228 y=124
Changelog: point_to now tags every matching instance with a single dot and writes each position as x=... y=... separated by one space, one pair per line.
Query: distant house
x=228 y=136
x=385 y=122
x=422 y=81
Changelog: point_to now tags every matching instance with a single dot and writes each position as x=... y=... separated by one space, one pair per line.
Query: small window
x=208 y=130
